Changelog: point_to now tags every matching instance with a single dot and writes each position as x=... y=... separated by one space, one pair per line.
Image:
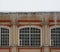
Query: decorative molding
x=54 y=49
x=53 y=24
x=14 y=22
x=29 y=24
x=54 y=21
x=5 y=20
x=45 y=23
x=29 y=21
x=9 y=25
x=30 y=49
x=6 y=49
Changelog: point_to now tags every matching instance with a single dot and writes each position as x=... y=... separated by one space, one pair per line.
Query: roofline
x=28 y=12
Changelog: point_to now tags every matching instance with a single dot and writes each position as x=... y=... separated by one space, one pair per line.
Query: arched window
x=55 y=37
x=30 y=36
x=4 y=36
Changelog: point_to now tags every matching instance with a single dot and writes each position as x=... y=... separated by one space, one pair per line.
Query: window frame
x=33 y=27
x=9 y=33
x=50 y=32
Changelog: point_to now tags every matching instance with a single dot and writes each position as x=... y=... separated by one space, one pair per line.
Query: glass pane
x=4 y=37
x=35 y=40
x=55 y=37
x=29 y=36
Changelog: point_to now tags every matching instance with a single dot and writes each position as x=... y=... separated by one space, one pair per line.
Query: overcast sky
x=29 y=5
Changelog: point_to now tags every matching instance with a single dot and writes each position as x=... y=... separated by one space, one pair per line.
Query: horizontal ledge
x=29 y=21
x=29 y=48
x=55 y=48
x=29 y=24
x=53 y=24
x=9 y=25
x=5 y=20
x=54 y=21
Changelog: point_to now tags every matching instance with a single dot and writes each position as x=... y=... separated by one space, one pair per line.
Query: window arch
x=4 y=36
x=55 y=37
x=30 y=36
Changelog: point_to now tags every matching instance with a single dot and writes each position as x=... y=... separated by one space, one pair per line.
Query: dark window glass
x=55 y=37
x=29 y=36
x=4 y=36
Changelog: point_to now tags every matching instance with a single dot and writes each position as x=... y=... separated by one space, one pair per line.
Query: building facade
x=30 y=32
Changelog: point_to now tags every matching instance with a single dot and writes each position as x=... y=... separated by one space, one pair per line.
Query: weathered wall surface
x=44 y=20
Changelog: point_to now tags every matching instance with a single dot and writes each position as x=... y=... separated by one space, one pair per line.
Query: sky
x=29 y=5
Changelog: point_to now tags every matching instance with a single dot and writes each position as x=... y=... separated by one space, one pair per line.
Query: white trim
x=50 y=31
x=9 y=32
x=35 y=27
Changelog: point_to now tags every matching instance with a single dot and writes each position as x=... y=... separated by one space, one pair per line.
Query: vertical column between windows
x=0 y=36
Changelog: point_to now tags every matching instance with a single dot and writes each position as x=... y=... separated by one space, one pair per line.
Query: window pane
x=55 y=37
x=4 y=37
x=4 y=30
x=24 y=39
x=35 y=30
x=35 y=39
x=29 y=36
x=24 y=30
